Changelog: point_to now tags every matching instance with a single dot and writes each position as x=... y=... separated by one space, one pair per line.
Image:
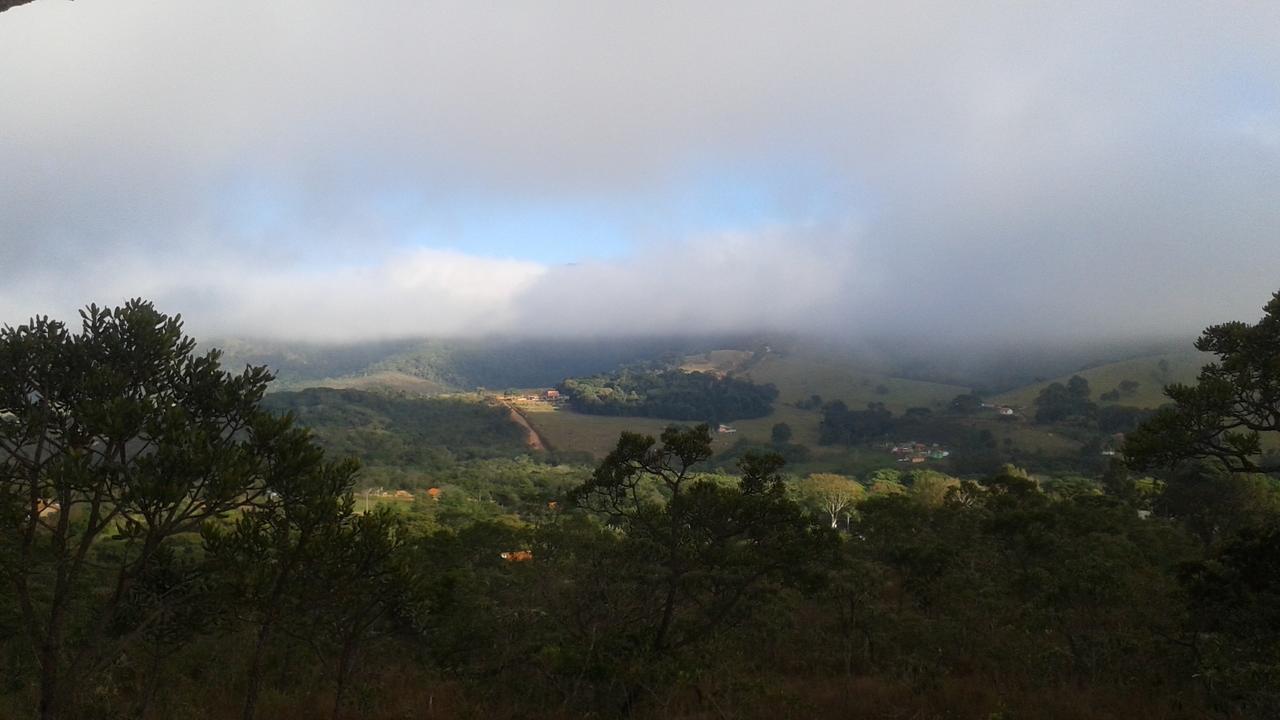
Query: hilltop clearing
x=799 y=376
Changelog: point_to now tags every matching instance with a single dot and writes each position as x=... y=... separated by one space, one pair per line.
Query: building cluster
x=918 y=452
x=553 y=396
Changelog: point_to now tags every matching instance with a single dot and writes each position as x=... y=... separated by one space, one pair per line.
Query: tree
x=1078 y=389
x=930 y=487
x=1215 y=504
x=835 y=495
x=271 y=546
x=361 y=585
x=1235 y=611
x=695 y=551
x=671 y=394
x=840 y=425
x=780 y=434
x=1058 y=402
x=887 y=475
x=813 y=402
x=118 y=437
x=918 y=413
x=1234 y=402
x=966 y=404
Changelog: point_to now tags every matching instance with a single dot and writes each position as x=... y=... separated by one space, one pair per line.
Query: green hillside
x=420 y=432
x=297 y=363
x=428 y=367
x=384 y=382
x=1147 y=371
x=798 y=376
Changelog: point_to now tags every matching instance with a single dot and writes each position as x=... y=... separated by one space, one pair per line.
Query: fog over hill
x=330 y=171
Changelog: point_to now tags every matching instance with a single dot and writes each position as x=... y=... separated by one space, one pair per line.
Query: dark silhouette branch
x=6 y=4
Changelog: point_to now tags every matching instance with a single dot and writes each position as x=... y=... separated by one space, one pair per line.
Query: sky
x=328 y=170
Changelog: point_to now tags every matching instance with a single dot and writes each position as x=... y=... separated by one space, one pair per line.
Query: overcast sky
x=340 y=170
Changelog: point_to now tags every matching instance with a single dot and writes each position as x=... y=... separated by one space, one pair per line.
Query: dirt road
x=532 y=438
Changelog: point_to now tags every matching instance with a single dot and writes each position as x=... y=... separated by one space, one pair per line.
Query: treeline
x=670 y=394
x=1072 y=403
x=841 y=425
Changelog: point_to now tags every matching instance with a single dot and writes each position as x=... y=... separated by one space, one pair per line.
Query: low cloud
x=933 y=168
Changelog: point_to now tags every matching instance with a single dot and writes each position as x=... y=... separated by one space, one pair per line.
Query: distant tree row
x=1126 y=388
x=842 y=426
x=670 y=394
x=1071 y=403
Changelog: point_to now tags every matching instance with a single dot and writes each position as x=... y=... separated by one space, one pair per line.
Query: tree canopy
x=121 y=432
x=1059 y=402
x=670 y=394
x=841 y=426
x=1233 y=404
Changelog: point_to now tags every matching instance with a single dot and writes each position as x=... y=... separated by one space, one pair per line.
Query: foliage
x=1215 y=504
x=670 y=394
x=1235 y=610
x=698 y=550
x=378 y=429
x=118 y=434
x=270 y=547
x=1058 y=402
x=1235 y=401
x=842 y=426
x=966 y=404
x=780 y=434
x=645 y=587
x=930 y=487
x=1120 y=419
x=831 y=494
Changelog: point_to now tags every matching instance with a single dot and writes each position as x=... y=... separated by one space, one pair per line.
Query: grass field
x=563 y=429
x=1146 y=371
x=798 y=376
x=1024 y=435
x=721 y=361
x=388 y=382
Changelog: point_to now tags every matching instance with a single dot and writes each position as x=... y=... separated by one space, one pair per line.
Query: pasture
x=1147 y=371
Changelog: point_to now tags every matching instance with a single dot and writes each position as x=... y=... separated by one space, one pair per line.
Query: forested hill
x=670 y=394
x=419 y=432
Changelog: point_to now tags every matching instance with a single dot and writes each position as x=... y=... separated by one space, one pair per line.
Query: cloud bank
x=329 y=170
